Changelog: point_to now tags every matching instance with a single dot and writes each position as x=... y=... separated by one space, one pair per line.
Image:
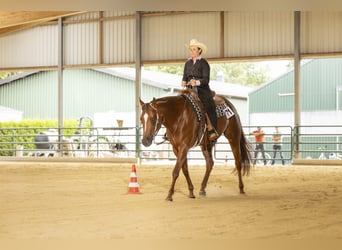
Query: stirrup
x=212 y=134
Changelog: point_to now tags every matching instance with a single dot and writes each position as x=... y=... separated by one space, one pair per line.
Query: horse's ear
x=141 y=102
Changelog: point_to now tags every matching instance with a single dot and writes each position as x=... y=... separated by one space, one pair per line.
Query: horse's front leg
x=209 y=163
x=175 y=174
x=180 y=163
x=188 y=179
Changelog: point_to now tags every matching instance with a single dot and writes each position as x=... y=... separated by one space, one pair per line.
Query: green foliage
x=176 y=69
x=23 y=133
x=248 y=74
x=4 y=75
x=245 y=73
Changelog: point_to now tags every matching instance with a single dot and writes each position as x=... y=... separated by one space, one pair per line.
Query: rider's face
x=194 y=52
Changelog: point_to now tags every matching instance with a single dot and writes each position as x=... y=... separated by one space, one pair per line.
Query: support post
x=137 y=82
x=297 y=100
x=60 y=85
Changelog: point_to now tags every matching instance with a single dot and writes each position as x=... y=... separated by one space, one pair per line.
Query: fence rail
x=306 y=142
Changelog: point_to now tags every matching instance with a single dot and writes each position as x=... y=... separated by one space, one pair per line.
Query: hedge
x=23 y=133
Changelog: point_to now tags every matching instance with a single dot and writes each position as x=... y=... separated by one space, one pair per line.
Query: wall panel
x=29 y=48
x=164 y=37
x=250 y=34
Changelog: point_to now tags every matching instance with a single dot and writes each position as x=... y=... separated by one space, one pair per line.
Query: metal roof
x=110 y=38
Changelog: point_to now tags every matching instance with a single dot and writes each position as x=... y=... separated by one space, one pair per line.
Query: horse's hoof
x=202 y=193
x=192 y=196
x=169 y=199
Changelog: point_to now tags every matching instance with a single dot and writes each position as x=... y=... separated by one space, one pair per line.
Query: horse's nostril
x=147 y=141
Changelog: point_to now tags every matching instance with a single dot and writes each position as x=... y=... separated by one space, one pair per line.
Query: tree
x=245 y=73
x=4 y=74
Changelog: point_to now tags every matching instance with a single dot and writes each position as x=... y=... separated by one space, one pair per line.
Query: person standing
x=197 y=74
x=259 y=136
x=277 y=145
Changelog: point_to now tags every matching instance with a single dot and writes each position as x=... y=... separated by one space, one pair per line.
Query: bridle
x=157 y=122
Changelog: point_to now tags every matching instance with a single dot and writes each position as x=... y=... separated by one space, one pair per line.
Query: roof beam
x=19 y=20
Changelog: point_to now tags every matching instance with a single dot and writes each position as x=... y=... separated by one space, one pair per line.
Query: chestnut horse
x=186 y=129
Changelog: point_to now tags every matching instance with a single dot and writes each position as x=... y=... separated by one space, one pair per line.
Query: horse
x=186 y=128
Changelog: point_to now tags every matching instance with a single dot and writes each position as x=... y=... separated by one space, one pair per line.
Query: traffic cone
x=133 y=186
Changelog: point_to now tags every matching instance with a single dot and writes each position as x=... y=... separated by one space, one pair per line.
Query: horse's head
x=150 y=121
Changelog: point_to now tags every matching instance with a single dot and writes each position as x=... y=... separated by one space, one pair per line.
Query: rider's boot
x=212 y=133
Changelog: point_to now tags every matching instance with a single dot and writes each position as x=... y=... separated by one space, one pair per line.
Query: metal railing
x=318 y=142
x=302 y=142
x=269 y=151
x=69 y=142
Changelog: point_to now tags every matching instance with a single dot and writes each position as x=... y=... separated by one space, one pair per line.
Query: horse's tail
x=245 y=148
x=246 y=158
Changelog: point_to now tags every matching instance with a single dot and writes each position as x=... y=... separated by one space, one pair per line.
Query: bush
x=23 y=133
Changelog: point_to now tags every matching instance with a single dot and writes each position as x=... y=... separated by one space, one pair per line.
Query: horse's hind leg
x=234 y=141
x=209 y=163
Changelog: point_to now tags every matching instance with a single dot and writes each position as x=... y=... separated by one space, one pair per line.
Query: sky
x=276 y=68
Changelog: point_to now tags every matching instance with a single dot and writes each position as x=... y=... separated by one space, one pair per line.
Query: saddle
x=222 y=108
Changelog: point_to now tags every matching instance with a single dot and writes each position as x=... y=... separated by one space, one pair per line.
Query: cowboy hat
x=195 y=43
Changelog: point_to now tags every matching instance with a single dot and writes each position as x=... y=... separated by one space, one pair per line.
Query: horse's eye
x=153 y=120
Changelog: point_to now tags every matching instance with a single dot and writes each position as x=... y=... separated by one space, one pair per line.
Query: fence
x=306 y=142
x=319 y=142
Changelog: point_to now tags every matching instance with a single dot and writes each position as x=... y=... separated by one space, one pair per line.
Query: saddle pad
x=224 y=110
x=194 y=106
x=221 y=109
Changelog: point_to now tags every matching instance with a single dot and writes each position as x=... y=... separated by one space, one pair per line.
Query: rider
x=197 y=73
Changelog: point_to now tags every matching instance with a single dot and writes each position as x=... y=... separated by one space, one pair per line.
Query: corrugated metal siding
x=246 y=34
x=321 y=32
x=320 y=79
x=118 y=13
x=119 y=41
x=83 y=17
x=85 y=93
x=35 y=95
x=258 y=33
x=89 y=92
x=35 y=47
x=164 y=37
x=275 y=96
x=81 y=43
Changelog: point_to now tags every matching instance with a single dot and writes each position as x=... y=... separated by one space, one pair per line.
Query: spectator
x=259 y=146
x=277 y=145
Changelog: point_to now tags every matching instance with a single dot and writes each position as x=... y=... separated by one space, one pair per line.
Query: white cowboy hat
x=195 y=43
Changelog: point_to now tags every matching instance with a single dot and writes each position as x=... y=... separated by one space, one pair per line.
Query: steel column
x=60 y=85
x=297 y=106
x=137 y=80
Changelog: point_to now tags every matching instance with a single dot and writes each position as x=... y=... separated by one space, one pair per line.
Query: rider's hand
x=193 y=82
x=183 y=83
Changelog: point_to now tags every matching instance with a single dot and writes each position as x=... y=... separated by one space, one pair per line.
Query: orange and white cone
x=133 y=186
